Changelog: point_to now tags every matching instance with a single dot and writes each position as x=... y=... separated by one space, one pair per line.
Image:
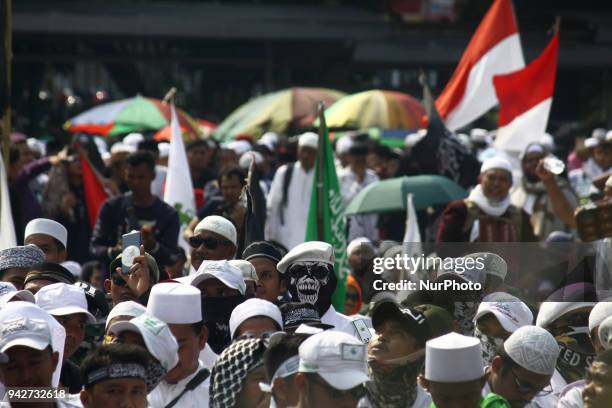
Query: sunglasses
x=356 y=393
x=118 y=281
x=526 y=388
x=318 y=270
x=209 y=243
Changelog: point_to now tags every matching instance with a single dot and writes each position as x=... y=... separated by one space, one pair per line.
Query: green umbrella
x=390 y=195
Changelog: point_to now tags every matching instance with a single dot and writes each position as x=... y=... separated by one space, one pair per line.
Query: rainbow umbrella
x=376 y=108
x=281 y=111
x=137 y=114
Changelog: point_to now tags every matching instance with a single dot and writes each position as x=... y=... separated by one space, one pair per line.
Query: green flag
x=325 y=220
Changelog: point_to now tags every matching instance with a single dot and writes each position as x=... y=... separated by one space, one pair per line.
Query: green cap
x=440 y=321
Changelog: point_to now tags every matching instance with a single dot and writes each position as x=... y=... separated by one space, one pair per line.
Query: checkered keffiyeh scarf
x=231 y=369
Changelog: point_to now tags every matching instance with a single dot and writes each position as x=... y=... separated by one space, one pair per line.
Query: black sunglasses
x=118 y=281
x=526 y=388
x=319 y=270
x=209 y=243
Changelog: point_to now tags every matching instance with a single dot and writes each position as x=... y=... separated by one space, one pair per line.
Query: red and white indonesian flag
x=494 y=49
x=525 y=98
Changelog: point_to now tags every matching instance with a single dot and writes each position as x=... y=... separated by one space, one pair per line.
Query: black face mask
x=312 y=282
x=217 y=312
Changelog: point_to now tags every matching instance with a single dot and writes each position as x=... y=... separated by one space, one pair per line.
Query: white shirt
x=197 y=398
x=350 y=186
x=158 y=183
x=293 y=231
x=571 y=396
x=208 y=357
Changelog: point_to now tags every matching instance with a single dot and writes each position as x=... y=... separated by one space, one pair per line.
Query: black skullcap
x=263 y=249
x=50 y=271
x=296 y=314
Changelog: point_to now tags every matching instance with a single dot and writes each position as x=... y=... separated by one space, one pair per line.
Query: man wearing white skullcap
x=454 y=374
x=255 y=317
x=289 y=198
x=549 y=200
x=179 y=306
x=523 y=368
x=487 y=215
x=48 y=235
x=215 y=238
x=343 y=145
x=600 y=312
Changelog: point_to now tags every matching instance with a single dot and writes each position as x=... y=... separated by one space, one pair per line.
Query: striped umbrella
x=137 y=114
x=376 y=108
x=288 y=109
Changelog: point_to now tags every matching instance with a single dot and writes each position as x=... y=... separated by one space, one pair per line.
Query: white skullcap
x=175 y=303
x=238 y=146
x=453 y=358
x=127 y=308
x=551 y=311
x=534 y=148
x=412 y=139
x=308 y=139
x=591 y=142
x=218 y=225
x=534 y=349
x=605 y=333
x=479 y=135
x=122 y=148
x=311 y=251
x=164 y=150
x=547 y=140
x=599 y=134
x=48 y=227
x=247 y=158
x=247 y=269
x=343 y=145
x=496 y=163
x=269 y=137
x=493 y=264
x=600 y=312
x=356 y=244
x=133 y=139
x=254 y=307
x=37 y=146
x=74 y=268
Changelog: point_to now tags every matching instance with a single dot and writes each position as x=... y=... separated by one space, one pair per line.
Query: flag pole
x=8 y=61
x=321 y=154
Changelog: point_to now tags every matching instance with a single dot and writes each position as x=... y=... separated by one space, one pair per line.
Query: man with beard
x=522 y=370
x=214 y=239
x=222 y=287
x=487 y=215
x=395 y=358
x=309 y=273
x=549 y=201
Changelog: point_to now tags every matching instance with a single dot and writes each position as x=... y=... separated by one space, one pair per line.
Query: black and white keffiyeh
x=231 y=369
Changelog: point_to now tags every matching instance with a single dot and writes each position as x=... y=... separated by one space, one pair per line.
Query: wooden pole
x=321 y=154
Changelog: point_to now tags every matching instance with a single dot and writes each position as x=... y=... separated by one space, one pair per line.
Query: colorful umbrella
x=289 y=109
x=206 y=128
x=376 y=108
x=390 y=195
x=138 y=114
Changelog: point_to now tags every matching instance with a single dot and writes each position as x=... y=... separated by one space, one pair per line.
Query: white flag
x=179 y=188
x=7 y=227
x=411 y=246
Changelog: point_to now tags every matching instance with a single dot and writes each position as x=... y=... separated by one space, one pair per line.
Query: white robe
x=164 y=393
x=361 y=225
x=208 y=357
x=293 y=231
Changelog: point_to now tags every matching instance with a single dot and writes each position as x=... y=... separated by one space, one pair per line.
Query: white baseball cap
x=60 y=299
x=74 y=268
x=338 y=357
x=308 y=139
x=24 y=331
x=127 y=308
x=534 y=349
x=254 y=307
x=509 y=310
x=453 y=358
x=47 y=227
x=605 y=333
x=230 y=275
x=247 y=269
x=218 y=225
x=157 y=337
x=8 y=292
x=316 y=251
x=551 y=311
x=175 y=303
x=493 y=264
x=599 y=313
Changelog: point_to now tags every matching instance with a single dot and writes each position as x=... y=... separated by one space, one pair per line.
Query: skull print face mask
x=312 y=282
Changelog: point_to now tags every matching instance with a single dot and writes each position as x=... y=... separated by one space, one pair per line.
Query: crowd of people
x=202 y=316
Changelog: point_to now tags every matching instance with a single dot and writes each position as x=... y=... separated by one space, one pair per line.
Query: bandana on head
x=231 y=369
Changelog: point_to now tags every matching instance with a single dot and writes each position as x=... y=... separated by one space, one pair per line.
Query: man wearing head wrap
x=523 y=368
x=549 y=200
x=235 y=377
x=15 y=263
x=396 y=355
x=354 y=178
x=289 y=198
x=487 y=215
x=264 y=256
